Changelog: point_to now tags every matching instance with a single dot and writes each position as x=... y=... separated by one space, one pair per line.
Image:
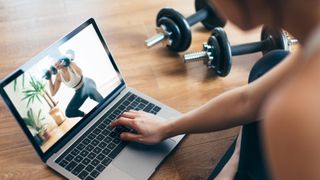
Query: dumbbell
x=48 y=73
x=173 y=29
x=217 y=52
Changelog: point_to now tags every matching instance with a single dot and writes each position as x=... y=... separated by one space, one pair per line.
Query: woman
x=282 y=104
x=71 y=75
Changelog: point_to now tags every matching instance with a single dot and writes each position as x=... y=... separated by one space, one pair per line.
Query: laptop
x=64 y=100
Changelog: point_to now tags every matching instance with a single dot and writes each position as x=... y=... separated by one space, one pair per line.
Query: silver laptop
x=65 y=98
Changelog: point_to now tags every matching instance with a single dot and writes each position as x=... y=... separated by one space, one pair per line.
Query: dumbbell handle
x=197 y=17
x=193 y=19
x=249 y=47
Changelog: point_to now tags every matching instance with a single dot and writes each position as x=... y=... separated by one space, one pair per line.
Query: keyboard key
x=80 y=146
x=132 y=97
x=86 y=161
x=83 y=174
x=95 y=162
x=95 y=142
x=63 y=163
x=126 y=102
x=91 y=136
x=144 y=101
x=153 y=112
x=69 y=157
x=71 y=166
x=157 y=108
x=100 y=157
x=112 y=117
x=117 y=150
x=116 y=141
x=110 y=128
x=97 y=150
x=92 y=155
x=106 y=151
x=107 y=122
x=78 y=169
x=113 y=134
x=134 y=104
x=111 y=146
x=95 y=173
x=78 y=159
x=106 y=161
x=141 y=106
x=89 y=168
x=102 y=126
x=100 y=167
x=105 y=132
x=149 y=107
x=89 y=147
x=117 y=112
x=102 y=145
x=96 y=131
x=100 y=137
x=121 y=108
x=118 y=130
x=84 y=153
x=75 y=152
x=86 y=141
x=107 y=139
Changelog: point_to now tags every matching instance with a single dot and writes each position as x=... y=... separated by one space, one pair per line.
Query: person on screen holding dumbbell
x=71 y=75
x=279 y=110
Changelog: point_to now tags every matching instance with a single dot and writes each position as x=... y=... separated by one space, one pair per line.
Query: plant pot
x=57 y=115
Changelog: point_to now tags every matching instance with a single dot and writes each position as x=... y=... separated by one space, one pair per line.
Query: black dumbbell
x=217 y=52
x=48 y=73
x=174 y=29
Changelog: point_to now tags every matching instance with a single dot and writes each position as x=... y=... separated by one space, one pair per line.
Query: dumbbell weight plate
x=223 y=64
x=215 y=52
x=182 y=24
x=214 y=19
x=278 y=39
x=175 y=32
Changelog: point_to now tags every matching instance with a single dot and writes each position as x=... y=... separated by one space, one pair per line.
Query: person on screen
x=71 y=75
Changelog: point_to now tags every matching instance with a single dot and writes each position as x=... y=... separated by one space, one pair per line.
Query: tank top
x=75 y=81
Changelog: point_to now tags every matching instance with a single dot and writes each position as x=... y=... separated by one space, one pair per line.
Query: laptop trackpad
x=140 y=161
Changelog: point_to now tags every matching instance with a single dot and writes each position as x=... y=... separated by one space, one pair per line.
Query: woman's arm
x=236 y=107
x=54 y=87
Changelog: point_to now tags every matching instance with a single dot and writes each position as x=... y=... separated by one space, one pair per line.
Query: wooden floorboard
x=28 y=27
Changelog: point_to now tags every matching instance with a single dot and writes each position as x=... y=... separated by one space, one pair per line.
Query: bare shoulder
x=292 y=124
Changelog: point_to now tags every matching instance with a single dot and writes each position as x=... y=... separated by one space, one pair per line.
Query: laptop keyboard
x=97 y=147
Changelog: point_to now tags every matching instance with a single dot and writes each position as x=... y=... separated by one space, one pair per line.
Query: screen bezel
x=73 y=131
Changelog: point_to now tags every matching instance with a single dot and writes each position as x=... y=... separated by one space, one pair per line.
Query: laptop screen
x=61 y=88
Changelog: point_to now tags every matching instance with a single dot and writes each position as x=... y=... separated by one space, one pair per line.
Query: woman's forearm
x=233 y=108
x=228 y=110
x=51 y=87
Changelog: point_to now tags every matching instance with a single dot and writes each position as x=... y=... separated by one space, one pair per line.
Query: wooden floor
x=29 y=26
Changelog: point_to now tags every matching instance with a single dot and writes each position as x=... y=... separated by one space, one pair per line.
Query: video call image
x=57 y=92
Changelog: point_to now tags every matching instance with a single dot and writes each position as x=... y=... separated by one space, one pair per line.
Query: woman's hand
x=149 y=128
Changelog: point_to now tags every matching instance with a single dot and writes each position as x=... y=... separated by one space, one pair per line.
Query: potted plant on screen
x=36 y=125
x=37 y=91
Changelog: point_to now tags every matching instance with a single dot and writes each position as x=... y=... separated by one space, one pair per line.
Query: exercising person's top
x=76 y=80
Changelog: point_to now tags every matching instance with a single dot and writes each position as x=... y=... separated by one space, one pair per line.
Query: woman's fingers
x=129 y=115
x=130 y=137
x=123 y=121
